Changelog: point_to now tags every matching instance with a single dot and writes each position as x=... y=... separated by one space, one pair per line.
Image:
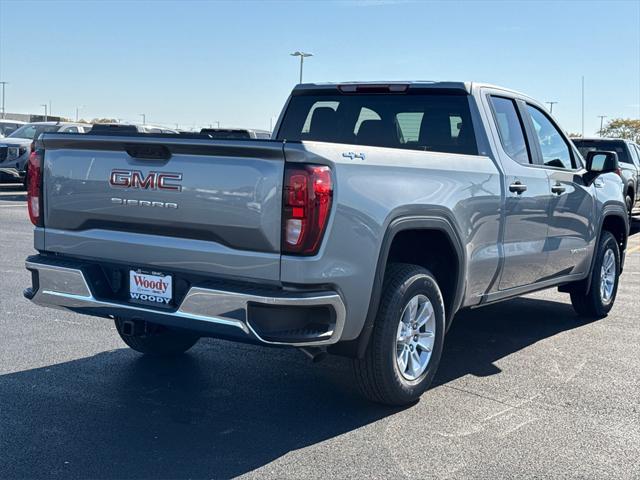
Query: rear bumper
x=239 y=314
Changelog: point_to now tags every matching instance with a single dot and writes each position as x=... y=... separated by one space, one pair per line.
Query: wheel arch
x=438 y=224
x=614 y=219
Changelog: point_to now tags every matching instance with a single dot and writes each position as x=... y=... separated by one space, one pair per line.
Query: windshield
x=32 y=132
x=618 y=146
x=6 y=128
x=431 y=122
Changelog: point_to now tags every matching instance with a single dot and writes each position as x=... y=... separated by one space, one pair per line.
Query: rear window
x=586 y=146
x=428 y=122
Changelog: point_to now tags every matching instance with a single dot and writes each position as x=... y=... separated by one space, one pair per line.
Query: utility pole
x=77 y=111
x=601 y=117
x=551 y=104
x=46 y=117
x=3 y=85
x=301 y=55
x=144 y=118
x=50 y=111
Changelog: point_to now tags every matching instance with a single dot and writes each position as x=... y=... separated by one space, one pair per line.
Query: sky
x=195 y=63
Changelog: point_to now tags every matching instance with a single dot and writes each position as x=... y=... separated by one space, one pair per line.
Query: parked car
x=629 y=158
x=7 y=127
x=15 y=149
x=237 y=133
x=375 y=214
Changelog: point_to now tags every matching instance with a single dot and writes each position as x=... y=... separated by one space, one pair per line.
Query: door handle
x=517 y=187
x=558 y=189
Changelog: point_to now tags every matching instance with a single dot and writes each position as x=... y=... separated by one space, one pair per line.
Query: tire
x=378 y=374
x=629 y=202
x=158 y=340
x=596 y=303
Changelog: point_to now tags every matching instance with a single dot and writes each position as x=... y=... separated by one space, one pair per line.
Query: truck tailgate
x=172 y=203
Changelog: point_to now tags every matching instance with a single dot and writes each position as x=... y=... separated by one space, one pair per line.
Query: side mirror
x=599 y=162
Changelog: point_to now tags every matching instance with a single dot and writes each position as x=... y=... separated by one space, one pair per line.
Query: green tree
x=622 y=128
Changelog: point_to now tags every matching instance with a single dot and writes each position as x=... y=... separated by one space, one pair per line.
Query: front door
x=571 y=229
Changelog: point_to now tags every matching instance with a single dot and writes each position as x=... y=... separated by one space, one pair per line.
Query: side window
x=635 y=153
x=510 y=129
x=365 y=114
x=306 y=128
x=71 y=130
x=409 y=126
x=555 y=151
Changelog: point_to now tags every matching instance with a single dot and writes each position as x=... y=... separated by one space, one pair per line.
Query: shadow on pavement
x=222 y=410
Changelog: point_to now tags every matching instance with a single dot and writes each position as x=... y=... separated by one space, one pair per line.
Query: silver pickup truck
x=376 y=212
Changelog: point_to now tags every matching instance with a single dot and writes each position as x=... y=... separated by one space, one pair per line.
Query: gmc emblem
x=153 y=181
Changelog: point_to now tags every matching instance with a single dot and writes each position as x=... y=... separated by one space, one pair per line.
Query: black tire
x=377 y=374
x=591 y=304
x=158 y=340
x=629 y=203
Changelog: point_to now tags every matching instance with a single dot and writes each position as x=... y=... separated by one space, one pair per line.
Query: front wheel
x=598 y=300
x=154 y=339
x=407 y=339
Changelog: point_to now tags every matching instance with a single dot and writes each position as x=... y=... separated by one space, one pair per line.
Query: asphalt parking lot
x=525 y=389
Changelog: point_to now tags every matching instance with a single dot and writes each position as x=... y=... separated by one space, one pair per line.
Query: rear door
x=527 y=203
x=168 y=202
x=571 y=227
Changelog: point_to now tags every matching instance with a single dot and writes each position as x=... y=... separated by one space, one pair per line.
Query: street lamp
x=301 y=55
x=45 y=111
x=551 y=104
x=144 y=118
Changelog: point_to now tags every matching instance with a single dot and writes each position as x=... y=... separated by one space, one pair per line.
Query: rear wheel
x=629 y=202
x=599 y=299
x=152 y=339
x=406 y=343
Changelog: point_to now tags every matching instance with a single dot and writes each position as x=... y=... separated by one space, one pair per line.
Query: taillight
x=34 y=188
x=308 y=190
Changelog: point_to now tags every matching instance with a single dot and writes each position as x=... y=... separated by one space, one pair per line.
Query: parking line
x=11 y=206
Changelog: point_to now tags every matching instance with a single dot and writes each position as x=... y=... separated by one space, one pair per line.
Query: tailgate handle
x=149 y=152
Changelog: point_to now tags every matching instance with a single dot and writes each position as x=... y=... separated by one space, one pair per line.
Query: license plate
x=155 y=288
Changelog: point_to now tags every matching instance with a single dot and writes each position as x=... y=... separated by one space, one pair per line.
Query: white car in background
x=15 y=149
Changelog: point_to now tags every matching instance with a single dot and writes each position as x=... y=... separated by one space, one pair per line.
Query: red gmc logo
x=153 y=181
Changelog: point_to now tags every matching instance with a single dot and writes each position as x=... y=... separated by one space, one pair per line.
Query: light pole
x=3 y=84
x=301 y=55
x=78 y=110
x=45 y=111
x=144 y=118
x=601 y=117
x=551 y=104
